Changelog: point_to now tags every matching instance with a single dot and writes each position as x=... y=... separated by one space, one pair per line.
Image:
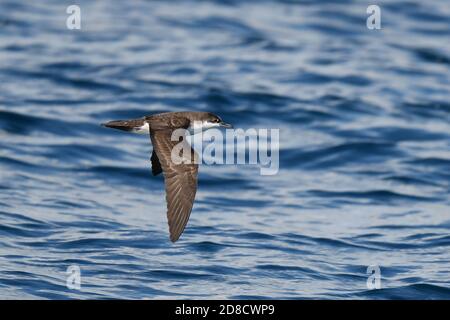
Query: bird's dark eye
x=216 y=121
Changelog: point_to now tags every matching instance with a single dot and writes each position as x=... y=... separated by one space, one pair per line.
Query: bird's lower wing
x=156 y=165
x=180 y=180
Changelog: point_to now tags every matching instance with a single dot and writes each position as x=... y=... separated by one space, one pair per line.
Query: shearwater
x=180 y=178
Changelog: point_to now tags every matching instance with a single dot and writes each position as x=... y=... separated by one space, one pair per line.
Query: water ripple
x=364 y=123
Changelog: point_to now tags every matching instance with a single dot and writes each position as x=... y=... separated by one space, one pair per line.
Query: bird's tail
x=136 y=125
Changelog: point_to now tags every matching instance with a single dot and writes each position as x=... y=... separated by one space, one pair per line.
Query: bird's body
x=180 y=179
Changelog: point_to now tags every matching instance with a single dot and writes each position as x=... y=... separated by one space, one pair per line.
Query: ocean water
x=364 y=119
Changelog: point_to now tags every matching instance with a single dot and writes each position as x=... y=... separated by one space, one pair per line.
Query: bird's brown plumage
x=180 y=179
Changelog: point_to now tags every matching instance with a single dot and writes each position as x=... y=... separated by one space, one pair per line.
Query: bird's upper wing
x=180 y=180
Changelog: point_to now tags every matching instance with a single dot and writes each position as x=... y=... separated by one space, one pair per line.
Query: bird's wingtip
x=174 y=237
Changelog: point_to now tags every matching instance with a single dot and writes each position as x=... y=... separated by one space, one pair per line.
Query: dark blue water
x=364 y=119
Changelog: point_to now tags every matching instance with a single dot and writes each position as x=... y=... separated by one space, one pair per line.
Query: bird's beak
x=225 y=125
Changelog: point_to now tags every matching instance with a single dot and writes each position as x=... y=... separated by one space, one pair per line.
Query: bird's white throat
x=199 y=126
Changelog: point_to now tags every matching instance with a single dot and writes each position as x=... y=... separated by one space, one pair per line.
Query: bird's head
x=212 y=121
x=207 y=121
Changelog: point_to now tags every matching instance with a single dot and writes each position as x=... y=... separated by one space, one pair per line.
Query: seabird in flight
x=180 y=179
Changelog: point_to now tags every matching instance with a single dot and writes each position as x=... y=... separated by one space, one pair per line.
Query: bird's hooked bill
x=226 y=125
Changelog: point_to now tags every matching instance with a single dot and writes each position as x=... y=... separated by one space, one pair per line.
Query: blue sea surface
x=364 y=177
